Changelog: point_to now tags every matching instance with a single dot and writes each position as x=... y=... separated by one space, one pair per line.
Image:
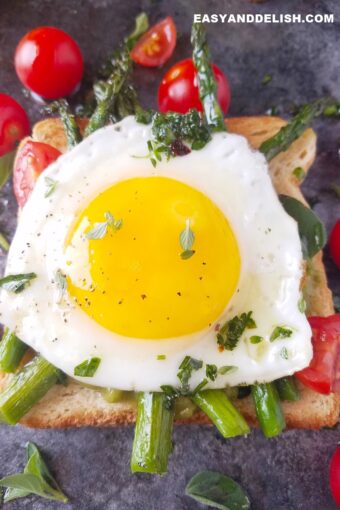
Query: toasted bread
x=77 y=406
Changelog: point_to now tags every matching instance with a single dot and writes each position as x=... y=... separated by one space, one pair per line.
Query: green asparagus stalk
x=207 y=86
x=297 y=125
x=152 y=443
x=268 y=409
x=26 y=389
x=68 y=119
x=287 y=389
x=12 y=350
x=114 y=96
x=216 y=405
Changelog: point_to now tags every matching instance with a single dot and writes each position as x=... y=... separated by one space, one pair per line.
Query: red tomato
x=30 y=161
x=323 y=371
x=157 y=45
x=49 y=62
x=178 y=91
x=14 y=123
x=334 y=475
x=334 y=243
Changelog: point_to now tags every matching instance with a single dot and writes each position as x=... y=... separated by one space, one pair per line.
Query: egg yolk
x=141 y=284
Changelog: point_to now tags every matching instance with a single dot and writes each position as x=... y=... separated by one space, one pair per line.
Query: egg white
x=236 y=179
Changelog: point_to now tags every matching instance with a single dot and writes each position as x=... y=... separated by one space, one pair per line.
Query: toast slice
x=77 y=406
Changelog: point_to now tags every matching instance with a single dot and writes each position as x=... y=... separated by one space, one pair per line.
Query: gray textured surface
x=287 y=473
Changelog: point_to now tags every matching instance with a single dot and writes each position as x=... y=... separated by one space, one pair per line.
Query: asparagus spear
x=289 y=133
x=287 y=389
x=26 y=389
x=112 y=93
x=268 y=409
x=228 y=420
x=206 y=81
x=12 y=350
x=68 y=119
x=152 y=443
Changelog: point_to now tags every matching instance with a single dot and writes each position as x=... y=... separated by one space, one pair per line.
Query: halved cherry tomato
x=334 y=243
x=334 y=475
x=178 y=91
x=30 y=161
x=157 y=45
x=49 y=62
x=322 y=375
x=14 y=123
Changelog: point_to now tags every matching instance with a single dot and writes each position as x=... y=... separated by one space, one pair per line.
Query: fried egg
x=155 y=260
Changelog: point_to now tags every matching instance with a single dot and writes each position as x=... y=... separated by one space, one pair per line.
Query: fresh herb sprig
x=36 y=479
x=186 y=240
x=87 y=368
x=62 y=108
x=101 y=229
x=185 y=370
x=231 y=332
x=207 y=86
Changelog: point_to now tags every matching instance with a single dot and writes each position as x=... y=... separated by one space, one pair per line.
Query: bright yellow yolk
x=140 y=285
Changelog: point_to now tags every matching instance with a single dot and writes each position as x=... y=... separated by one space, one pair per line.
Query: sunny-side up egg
x=112 y=227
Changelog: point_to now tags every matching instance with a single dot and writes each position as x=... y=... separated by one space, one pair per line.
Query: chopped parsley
x=299 y=173
x=280 y=332
x=227 y=369
x=87 y=368
x=60 y=280
x=100 y=230
x=161 y=357
x=231 y=332
x=266 y=79
x=302 y=305
x=256 y=339
x=211 y=372
x=185 y=370
x=16 y=282
x=186 y=240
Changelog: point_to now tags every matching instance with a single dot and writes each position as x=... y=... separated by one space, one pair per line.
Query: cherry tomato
x=178 y=91
x=49 y=62
x=334 y=243
x=31 y=160
x=14 y=123
x=323 y=371
x=157 y=45
x=334 y=475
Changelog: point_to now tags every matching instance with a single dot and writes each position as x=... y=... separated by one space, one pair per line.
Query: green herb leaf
x=302 y=305
x=332 y=110
x=284 y=353
x=100 y=230
x=311 y=229
x=51 y=186
x=185 y=370
x=186 y=240
x=16 y=282
x=161 y=357
x=256 y=339
x=211 y=372
x=141 y=26
x=4 y=244
x=227 y=369
x=280 y=332
x=217 y=491
x=36 y=479
x=266 y=79
x=299 y=173
x=87 y=368
x=6 y=165
x=231 y=332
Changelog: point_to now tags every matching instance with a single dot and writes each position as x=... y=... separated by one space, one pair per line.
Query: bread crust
x=77 y=406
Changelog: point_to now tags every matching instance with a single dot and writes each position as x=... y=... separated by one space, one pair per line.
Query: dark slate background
x=92 y=465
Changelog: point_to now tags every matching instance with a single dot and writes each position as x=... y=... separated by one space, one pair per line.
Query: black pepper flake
x=200 y=278
x=143 y=296
x=120 y=302
x=204 y=263
x=179 y=294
